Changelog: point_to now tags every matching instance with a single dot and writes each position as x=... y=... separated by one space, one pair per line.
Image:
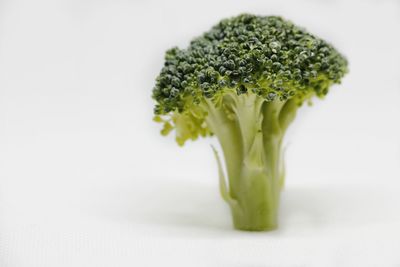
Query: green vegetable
x=243 y=82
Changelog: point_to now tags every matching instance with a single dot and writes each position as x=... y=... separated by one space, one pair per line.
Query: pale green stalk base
x=250 y=132
x=258 y=193
x=257 y=208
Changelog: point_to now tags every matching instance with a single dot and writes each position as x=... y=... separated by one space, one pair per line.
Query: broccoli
x=243 y=82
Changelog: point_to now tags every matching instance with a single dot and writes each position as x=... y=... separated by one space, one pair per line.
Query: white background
x=86 y=179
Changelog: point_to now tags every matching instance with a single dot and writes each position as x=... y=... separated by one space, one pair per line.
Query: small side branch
x=288 y=113
x=222 y=181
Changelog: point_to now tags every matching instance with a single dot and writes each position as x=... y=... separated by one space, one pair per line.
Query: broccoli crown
x=265 y=55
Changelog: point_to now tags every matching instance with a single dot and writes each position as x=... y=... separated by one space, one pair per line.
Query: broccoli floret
x=243 y=82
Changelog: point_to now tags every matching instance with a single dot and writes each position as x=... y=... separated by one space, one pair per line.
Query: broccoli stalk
x=243 y=82
x=252 y=149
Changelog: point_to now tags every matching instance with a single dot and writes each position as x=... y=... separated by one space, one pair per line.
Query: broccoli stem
x=258 y=196
x=250 y=131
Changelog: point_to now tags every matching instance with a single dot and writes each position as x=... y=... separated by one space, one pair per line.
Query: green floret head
x=263 y=55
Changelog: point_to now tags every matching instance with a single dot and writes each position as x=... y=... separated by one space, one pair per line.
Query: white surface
x=86 y=180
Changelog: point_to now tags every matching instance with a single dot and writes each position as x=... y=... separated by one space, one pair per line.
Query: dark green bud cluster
x=265 y=55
